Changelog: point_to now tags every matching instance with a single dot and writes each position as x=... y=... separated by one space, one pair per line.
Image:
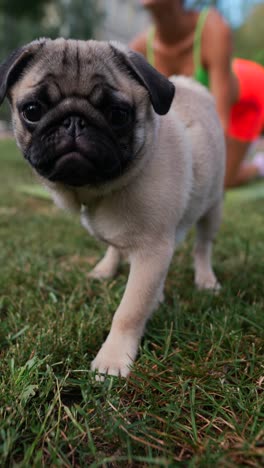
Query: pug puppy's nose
x=74 y=125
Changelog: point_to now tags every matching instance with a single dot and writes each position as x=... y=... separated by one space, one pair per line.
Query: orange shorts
x=247 y=115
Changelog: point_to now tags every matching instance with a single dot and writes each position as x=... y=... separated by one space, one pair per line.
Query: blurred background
x=21 y=22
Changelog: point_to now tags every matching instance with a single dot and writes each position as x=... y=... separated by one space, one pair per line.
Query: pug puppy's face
x=82 y=109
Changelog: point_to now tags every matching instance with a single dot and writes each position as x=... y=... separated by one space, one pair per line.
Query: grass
x=195 y=396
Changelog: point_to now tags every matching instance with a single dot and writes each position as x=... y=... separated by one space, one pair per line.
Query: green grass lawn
x=195 y=396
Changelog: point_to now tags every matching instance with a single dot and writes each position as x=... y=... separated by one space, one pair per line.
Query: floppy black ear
x=161 y=90
x=11 y=70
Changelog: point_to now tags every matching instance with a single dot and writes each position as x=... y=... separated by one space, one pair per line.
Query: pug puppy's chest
x=106 y=221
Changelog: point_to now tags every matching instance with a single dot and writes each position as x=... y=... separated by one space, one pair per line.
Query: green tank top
x=200 y=73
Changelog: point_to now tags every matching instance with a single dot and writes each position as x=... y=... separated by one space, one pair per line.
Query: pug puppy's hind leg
x=207 y=228
x=107 y=267
x=147 y=274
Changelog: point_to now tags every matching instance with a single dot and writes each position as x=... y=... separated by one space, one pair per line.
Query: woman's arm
x=217 y=53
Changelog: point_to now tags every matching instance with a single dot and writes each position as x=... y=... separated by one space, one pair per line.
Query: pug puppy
x=105 y=134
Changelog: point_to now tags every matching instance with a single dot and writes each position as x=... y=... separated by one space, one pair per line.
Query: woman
x=200 y=45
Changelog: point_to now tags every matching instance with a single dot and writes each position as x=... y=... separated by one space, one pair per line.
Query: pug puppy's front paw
x=115 y=357
x=207 y=281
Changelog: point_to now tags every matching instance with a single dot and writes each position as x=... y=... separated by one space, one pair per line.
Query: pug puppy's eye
x=119 y=117
x=32 y=112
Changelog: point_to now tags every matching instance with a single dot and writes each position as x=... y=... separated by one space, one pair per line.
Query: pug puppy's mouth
x=57 y=162
x=69 y=168
x=75 y=168
x=72 y=168
x=72 y=156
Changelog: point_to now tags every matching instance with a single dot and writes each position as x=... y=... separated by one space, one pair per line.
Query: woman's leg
x=238 y=172
x=246 y=123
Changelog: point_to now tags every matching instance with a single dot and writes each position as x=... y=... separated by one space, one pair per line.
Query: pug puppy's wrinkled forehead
x=83 y=67
x=64 y=68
